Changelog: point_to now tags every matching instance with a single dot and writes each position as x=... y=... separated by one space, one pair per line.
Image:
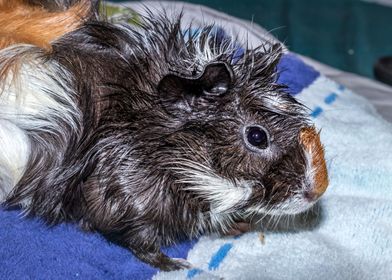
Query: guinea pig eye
x=257 y=137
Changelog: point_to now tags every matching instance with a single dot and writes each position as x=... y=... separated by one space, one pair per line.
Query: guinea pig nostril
x=311 y=196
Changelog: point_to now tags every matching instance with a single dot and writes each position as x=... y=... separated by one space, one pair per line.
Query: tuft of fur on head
x=40 y=22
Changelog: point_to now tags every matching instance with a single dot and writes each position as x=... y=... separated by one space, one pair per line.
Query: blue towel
x=31 y=250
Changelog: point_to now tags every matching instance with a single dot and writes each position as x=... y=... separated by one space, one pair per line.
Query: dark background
x=347 y=34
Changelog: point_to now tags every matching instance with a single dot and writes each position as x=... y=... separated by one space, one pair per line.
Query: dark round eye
x=257 y=137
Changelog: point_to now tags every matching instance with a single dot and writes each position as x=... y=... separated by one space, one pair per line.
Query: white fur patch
x=14 y=151
x=223 y=194
x=294 y=205
x=309 y=172
x=37 y=92
x=33 y=97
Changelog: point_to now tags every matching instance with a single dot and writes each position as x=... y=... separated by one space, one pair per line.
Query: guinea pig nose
x=312 y=196
x=310 y=140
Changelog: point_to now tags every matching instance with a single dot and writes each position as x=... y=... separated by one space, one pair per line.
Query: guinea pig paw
x=182 y=263
x=238 y=229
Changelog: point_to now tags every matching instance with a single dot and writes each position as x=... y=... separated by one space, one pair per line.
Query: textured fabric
x=31 y=250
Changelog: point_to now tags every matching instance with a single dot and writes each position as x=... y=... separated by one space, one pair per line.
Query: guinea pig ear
x=216 y=79
x=180 y=95
x=176 y=94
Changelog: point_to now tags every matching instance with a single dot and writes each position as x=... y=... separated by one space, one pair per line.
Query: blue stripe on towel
x=219 y=256
x=193 y=272
x=330 y=98
x=316 y=112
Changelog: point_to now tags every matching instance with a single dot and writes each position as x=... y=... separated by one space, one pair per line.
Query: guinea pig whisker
x=266 y=210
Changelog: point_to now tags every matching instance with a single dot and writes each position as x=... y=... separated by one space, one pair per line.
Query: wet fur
x=115 y=147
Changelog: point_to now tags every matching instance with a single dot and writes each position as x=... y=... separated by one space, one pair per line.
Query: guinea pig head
x=243 y=144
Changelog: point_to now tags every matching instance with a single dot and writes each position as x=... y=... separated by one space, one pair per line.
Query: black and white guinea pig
x=149 y=137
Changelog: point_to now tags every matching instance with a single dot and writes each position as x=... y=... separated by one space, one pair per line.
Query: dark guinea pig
x=149 y=137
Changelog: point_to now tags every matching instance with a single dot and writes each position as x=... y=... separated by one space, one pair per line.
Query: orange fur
x=310 y=139
x=23 y=23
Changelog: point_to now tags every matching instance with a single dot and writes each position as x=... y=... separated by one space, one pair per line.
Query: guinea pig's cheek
x=316 y=168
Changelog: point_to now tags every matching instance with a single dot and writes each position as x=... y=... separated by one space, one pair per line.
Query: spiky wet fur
x=111 y=154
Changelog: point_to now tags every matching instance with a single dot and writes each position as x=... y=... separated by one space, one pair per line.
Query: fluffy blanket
x=349 y=236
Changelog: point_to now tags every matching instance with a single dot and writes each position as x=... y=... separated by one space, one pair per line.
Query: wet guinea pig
x=148 y=136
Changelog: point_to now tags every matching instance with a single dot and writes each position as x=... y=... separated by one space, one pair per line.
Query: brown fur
x=24 y=23
x=310 y=139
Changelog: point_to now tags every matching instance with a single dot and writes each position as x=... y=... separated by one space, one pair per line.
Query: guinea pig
x=38 y=22
x=149 y=136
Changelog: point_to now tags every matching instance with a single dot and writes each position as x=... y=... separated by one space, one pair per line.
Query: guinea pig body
x=150 y=137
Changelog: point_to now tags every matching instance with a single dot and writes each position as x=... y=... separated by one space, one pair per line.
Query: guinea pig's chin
x=292 y=206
